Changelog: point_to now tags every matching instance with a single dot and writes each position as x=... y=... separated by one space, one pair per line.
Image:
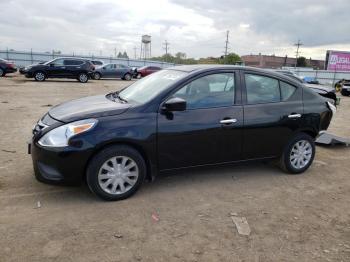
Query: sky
x=195 y=27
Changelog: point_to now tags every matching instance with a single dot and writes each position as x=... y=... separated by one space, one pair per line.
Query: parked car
x=146 y=70
x=23 y=70
x=325 y=91
x=97 y=62
x=345 y=89
x=182 y=117
x=113 y=71
x=7 y=67
x=75 y=68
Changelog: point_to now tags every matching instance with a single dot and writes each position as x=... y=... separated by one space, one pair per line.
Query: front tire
x=97 y=76
x=83 y=78
x=298 y=155
x=39 y=76
x=116 y=172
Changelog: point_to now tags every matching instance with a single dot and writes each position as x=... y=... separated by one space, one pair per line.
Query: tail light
x=11 y=65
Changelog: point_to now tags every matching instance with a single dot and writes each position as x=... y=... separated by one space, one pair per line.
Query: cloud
x=197 y=27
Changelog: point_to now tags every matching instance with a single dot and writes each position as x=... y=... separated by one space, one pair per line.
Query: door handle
x=294 y=116
x=228 y=121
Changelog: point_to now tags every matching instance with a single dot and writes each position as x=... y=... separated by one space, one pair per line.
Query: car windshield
x=49 y=62
x=149 y=87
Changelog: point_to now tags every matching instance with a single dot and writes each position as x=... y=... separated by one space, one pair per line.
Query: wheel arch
x=149 y=169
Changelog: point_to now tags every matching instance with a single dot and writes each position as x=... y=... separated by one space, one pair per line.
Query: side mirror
x=175 y=104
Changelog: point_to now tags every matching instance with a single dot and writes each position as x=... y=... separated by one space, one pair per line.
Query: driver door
x=56 y=68
x=210 y=130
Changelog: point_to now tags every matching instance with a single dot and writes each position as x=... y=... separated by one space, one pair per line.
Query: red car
x=146 y=70
x=7 y=67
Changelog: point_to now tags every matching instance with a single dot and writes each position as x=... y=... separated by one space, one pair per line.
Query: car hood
x=87 y=107
x=320 y=88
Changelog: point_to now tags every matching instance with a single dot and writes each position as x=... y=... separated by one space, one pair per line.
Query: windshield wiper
x=116 y=95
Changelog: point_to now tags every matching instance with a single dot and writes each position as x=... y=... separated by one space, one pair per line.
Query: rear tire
x=39 y=76
x=2 y=72
x=298 y=155
x=83 y=78
x=116 y=172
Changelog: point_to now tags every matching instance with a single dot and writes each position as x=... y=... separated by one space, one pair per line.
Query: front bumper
x=59 y=165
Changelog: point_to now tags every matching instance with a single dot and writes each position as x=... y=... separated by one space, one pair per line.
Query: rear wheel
x=298 y=154
x=2 y=72
x=83 y=78
x=39 y=76
x=116 y=172
x=127 y=77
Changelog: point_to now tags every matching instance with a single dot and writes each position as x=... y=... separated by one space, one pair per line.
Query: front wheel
x=298 y=155
x=116 y=172
x=83 y=78
x=97 y=76
x=39 y=76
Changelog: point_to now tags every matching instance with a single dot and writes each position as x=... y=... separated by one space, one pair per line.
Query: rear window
x=262 y=89
x=287 y=90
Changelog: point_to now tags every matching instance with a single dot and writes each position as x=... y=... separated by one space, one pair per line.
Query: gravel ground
x=292 y=218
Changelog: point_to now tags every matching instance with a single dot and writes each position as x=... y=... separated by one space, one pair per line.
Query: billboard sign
x=338 y=61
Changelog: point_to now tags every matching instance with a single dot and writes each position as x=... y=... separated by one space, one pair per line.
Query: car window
x=58 y=62
x=109 y=66
x=216 y=90
x=287 y=90
x=70 y=62
x=262 y=89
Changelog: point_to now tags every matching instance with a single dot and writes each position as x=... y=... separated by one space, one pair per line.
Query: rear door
x=273 y=110
x=72 y=67
x=210 y=130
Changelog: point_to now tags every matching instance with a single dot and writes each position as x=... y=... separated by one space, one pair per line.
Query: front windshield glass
x=149 y=87
x=49 y=62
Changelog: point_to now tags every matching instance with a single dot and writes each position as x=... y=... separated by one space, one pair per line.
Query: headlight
x=60 y=136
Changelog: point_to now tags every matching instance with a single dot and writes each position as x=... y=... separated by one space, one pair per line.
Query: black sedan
x=181 y=117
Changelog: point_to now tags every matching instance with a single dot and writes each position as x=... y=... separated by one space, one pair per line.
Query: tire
x=39 y=76
x=2 y=72
x=138 y=76
x=127 y=77
x=107 y=183
x=301 y=159
x=83 y=78
x=97 y=76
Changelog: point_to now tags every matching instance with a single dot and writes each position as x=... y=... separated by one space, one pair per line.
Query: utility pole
x=226 y=42
x=297 y=52
x=135 y=50
x=115 y=52
x=166 y=47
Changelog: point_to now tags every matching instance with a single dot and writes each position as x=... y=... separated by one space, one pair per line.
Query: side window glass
x=262 y=89
x=287 y=90
x=58 y=62
x=216 y=90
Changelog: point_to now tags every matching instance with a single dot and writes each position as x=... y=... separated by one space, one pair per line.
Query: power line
x=297 y=52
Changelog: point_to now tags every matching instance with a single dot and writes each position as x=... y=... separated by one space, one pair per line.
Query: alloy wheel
x=118 y=175
x=39 y=76
x=301 y=154
x=83 y=78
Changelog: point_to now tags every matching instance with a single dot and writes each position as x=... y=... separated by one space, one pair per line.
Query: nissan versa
x=176 y=118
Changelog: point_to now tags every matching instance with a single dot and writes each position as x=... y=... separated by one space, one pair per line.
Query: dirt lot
x=292 y=218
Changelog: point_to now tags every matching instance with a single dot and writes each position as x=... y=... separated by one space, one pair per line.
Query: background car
x=6 y=67
x=113 y=71
x=146 y=70
x=74 y=68
x=97 y=62
x=325 y=91
x=345 y=90
x=183 y=117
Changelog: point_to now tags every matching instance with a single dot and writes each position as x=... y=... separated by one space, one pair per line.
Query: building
x=272 y=61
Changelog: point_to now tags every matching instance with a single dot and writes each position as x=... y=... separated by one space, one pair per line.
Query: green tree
x=301 y=62
x=125 y=55
x=230 y=59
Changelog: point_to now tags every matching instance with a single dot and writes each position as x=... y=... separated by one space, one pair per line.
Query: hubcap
x=301 y=154
x=40 y=76
x=118 y=175
x=83 y=78
x=127 y=77
x=97 y=76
